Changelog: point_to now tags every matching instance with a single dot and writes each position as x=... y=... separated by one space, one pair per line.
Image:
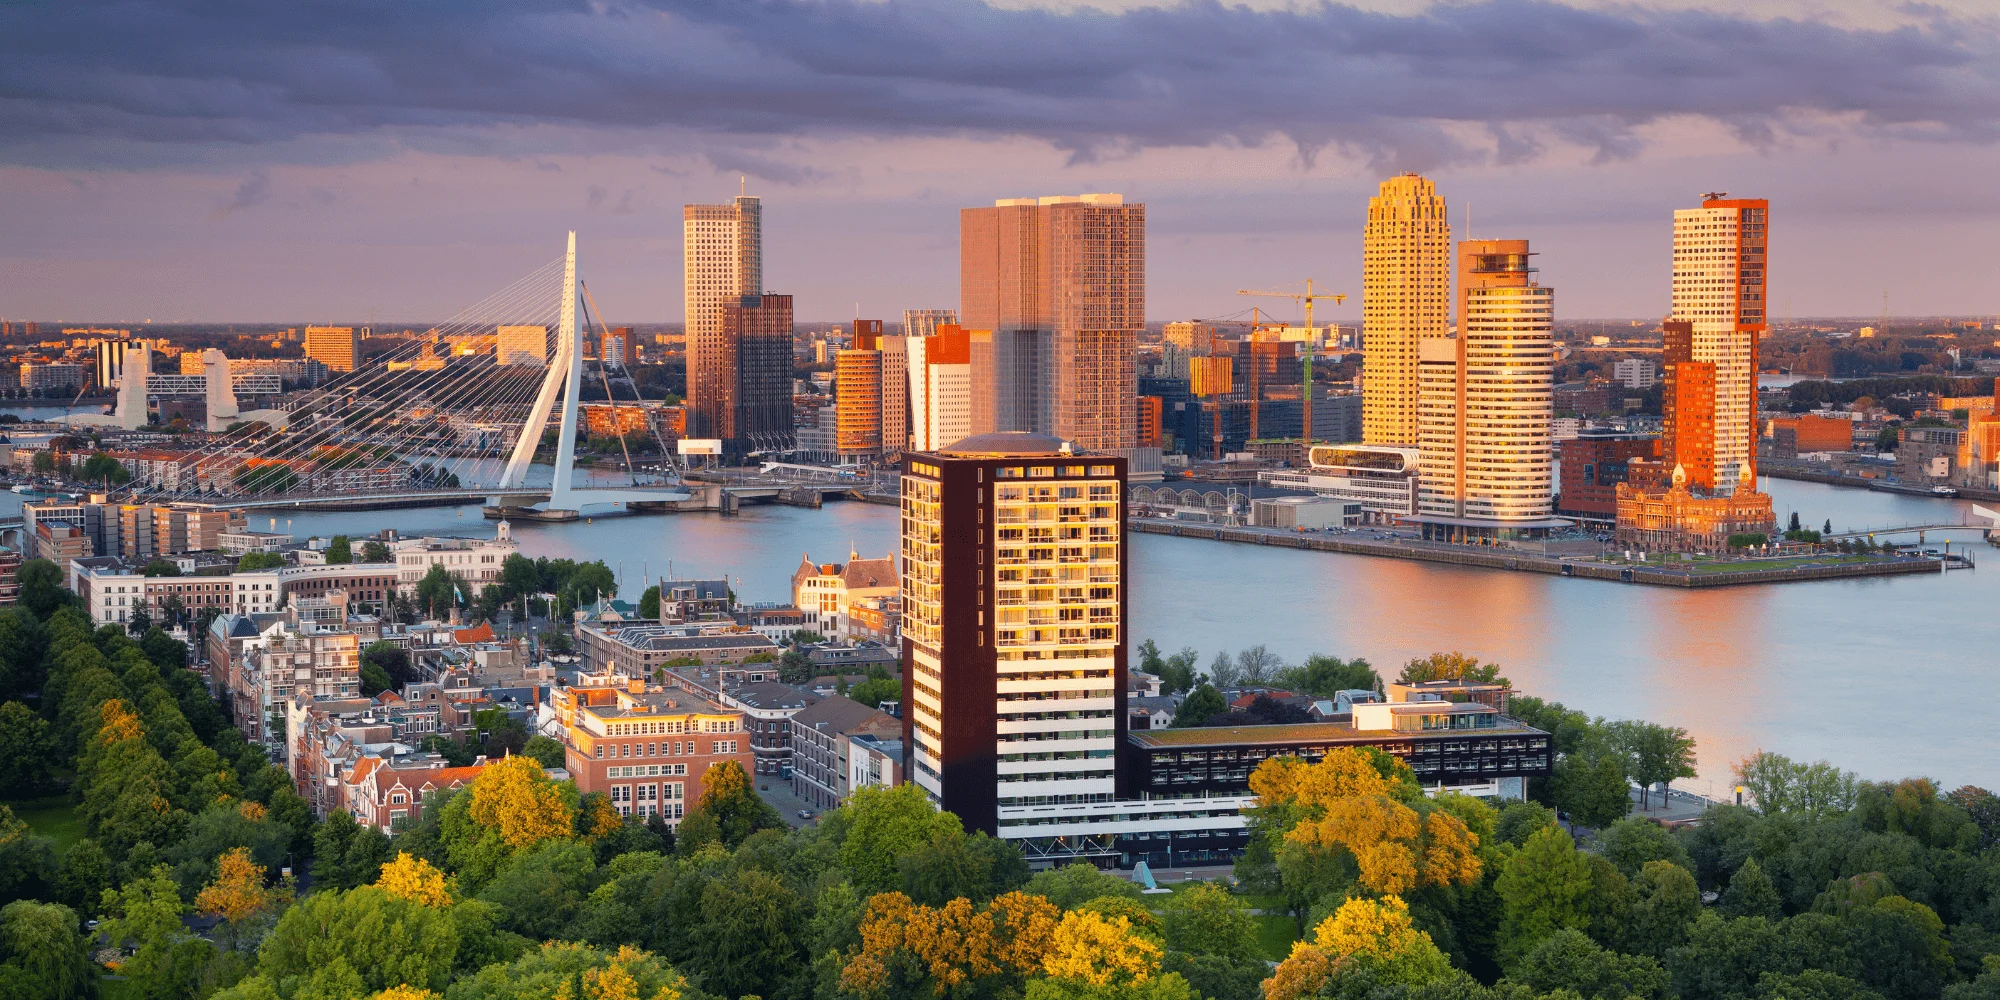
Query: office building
x=336 y=347
x=1012 y=598
x=1593 y=464
x=940 y=391
x=1719 y=291
x=871 y=394
x=1635 y=373
x=748 y=404
x=521 y=345
x=52 y=378
x=723 y=261
x=927 y=322
x=619 y=349
x=1485 y=402
x=1382 y=480
x=1058 y=287
x=1405 y=300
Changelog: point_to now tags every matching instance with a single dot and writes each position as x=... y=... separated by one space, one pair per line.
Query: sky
x=245 y=161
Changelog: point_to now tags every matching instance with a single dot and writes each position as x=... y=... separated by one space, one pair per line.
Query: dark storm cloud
x=87 y=75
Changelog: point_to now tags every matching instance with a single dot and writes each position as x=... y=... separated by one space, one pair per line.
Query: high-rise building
x=750 y=408
x=925 y=322
x=521 y=345
x=940 y=388
x=919 y=326
x=111 y=359
x=337 y=347
x=1061 y=284
x=1486 y=397
x=1013 y=595
x=619 y=349
x=1687 y=409
x=1720 y=267
x=860 y=404
x=1405 y=300
x=723 y=261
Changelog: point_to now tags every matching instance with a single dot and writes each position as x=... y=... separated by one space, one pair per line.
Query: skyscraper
x=521 y=345
x=868 y=414
x=1013 y=603
x=1405 y=299
x=336 y=347
x=1687 y=409
x=722 y=261
x=919 y=325
x=1486 y=397
x=751 y=409
x=1061 y=284
x=1720 y=266
x=940 y=388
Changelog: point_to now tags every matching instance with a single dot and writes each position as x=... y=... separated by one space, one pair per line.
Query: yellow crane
x=1308 y=297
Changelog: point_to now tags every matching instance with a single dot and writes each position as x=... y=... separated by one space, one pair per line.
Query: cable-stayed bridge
x=458 y=414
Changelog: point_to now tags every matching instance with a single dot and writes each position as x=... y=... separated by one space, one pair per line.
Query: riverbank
x=1774 y=470
x=1829 y=567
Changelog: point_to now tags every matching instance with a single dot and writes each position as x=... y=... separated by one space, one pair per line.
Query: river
x=1889 y=677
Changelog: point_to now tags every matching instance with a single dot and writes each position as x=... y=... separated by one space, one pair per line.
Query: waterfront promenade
x=1721 y=573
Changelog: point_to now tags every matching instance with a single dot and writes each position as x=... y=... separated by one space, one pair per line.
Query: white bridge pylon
x=566 y=376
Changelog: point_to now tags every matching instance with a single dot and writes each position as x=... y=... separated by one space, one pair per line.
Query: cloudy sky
x=327 y=161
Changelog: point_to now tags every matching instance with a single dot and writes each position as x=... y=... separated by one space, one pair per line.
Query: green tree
x=1656 y=754
x=42 y=590
x=146 y=913
x=874 y=691
x=796 y=667
x=27 y=862
x=1323 y=676
x=439 y=591
x=543 y=749
x=1591 y=788
x=28 y=753
x=1203 y=703
x=373 y=551
x=519 y=576
x=884 y=824
x=730 y=801
x=1453 y=666
x=1205 y=919
x=1543 y=888
x=1899 y=948
x=85 y=873
x=1751 y=894
x=392 y=660
x=340 y=550
x=1816 y=984
x=1632 y=842
x=555 y=969
x=161 y=567
x=1179 y=673
x=347 y=855
x=953 y=865
x=649 y=603
x=752 y=937
x=379 y=939
x=251 y=562
x=43 y=954
x=1665 y=904
x=539 y=891
x=1569 y=960
x=1073 y=885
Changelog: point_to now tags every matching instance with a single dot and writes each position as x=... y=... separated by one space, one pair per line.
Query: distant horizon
x=897 y=318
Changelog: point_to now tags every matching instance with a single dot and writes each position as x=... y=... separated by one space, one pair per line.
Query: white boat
x=1936 y=491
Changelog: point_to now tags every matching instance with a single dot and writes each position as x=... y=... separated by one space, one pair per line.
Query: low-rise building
x=768 y=708
x=632 y=650
x=873 y=761
x=646 y=748
x=821 y=764
x=824 y=591
x=387 y=797
x=1593 y=464
x=477 y=561
x=1928 y=455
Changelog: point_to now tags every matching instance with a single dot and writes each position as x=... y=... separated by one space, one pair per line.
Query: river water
x=1889 y=677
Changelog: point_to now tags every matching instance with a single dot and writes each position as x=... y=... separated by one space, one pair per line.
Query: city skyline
x=327 y=201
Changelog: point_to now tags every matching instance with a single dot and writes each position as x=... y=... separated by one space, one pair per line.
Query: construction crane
x=1308 y=297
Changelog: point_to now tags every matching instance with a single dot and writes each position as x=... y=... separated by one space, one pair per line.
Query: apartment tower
x=1405 y=300
x=940 y=388
x=336 y=347
x=722 y=261
x=1687 y=408
x=1486 y=397
x=919 y=325
x=751 y=409
x=871 y=382
x=1058 y=285
x=1720 y=267
x=1013 y=607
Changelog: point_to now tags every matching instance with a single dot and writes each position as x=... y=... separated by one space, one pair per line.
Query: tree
x=1570 y=960
x=1591 y=788
x=1656 y=754
x=578 y=971
x=515 y=798
x=546 y=751
x=147 y=914
x=439 y=589
x=1150 y=660
x=1323 y=676
x=1075 y=884
x=1666 y=903
x=1206 y=919
x=1257 y=664
x=874 y=691
x=1777 y=785
x=238 y=892
x=731 y=802
x=1100 y=951
x=339 y=550
x=1751 y=894
x=1543 y=888
x=28 y=753
x=1453 y=666
x=796 y=667
x=1205 y=701
x=649 y=603
x=1632 y=843
x=520 y=577
x=1361 y=807
x=1223 y=672
x=752 y=937
x=377 y=939
x=1366 y=934
x=883 y=824
x=42 y=590
x=161 y=567
x=43 y=956
x=393 y=661
x=373 y=551
x=251 y=562
x=1178 y=673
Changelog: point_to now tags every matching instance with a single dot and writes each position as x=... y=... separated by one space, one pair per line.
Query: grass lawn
x=54 y=818
x=1764 y=564
x=1275 y=936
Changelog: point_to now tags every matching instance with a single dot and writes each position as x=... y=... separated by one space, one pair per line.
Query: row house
x=767 y=709
x=822 y=750
x=385 y=796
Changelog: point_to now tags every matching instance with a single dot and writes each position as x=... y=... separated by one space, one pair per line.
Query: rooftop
x=1006 y=443
x=1304 y=732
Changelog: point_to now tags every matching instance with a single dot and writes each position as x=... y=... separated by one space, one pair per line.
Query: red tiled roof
x=483 y=632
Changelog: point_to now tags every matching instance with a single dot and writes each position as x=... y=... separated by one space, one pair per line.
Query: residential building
x=111 y=360
x=1687 y=407
x=940 y=387
x=722 y=261
x=52 y=377
x=477 y=561
x=821 y=754
x=639 y=650
x=768 y=708
x=619 y=349
x=824 y=591
x=873 y=761
x=1057 y=288
x=646 y=748
x=1405 y=300
x=1928 y=455
x=1719 y=290
x=749 y=404
x=869 y=397
x=336 y=347
x=1635 y=373
x=521 y=345
x=59 y=542
x=1593 y=464
x=386 y=797
x=1485 y=402
x=1013 y=558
